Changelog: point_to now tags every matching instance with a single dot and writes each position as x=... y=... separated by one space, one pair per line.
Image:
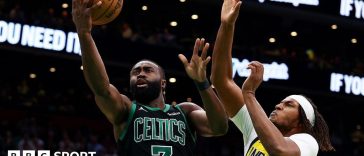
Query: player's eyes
x=135 y=72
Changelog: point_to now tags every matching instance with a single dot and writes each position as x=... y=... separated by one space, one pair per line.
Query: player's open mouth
x=273 y=113
x=142 y=85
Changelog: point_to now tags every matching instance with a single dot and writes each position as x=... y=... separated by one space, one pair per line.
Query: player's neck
x=291 y=131
x=157 y=102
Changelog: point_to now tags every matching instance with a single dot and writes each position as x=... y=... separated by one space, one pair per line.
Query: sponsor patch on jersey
x=174 y=113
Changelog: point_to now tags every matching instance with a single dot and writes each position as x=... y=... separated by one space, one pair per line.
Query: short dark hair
x=320 y=130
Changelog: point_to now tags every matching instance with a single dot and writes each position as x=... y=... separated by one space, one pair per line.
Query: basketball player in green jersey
x=147 y=126
x=294 y=128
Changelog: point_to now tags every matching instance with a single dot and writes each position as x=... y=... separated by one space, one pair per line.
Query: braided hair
x=320 y=130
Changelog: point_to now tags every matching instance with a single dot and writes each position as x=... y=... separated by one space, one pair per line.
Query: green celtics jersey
x=154 y=132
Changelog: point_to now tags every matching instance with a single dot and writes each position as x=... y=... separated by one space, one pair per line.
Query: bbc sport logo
x=47 y=153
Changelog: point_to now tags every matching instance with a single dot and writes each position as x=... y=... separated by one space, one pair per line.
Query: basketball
x=107 y=12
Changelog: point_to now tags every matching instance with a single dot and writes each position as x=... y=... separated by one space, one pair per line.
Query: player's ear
x=164 y=84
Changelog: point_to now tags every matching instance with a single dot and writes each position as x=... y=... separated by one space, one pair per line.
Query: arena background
x=46 y=104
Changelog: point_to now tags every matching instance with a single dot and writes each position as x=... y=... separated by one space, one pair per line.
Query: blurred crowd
x=321 y=56
x=66 y=118
x=34 y=134
x=58 y=117
x=62 y=119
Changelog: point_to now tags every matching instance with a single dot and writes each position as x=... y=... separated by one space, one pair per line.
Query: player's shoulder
x=125 y=99
x=304 y=138
x=306 y=143
x=188 y=107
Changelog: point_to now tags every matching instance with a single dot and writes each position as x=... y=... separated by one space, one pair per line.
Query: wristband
x=202 y=85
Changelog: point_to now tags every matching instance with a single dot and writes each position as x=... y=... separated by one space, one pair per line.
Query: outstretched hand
x=230 y=11
x=196 y=67
x=255 y=78
x=81 y=14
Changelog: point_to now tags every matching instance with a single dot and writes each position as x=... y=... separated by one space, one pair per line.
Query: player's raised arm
x=108 y=98
x=221 y=73
x=212 y=121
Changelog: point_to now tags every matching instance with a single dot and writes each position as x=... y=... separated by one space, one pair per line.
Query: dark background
x=56 y=111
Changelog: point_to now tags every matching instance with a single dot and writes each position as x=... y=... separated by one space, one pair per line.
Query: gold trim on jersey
x=256 y=148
